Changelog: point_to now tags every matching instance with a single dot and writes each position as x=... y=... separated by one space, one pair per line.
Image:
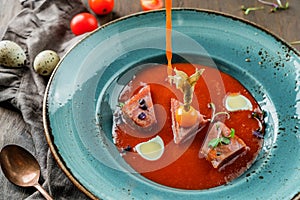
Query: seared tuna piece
x=222 y=146
x=139 y=109
x=181 y=133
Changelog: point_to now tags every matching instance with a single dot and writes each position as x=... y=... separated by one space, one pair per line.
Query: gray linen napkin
x=41 y=25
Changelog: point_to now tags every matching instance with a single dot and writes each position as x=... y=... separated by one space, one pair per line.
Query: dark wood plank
x=282 y=23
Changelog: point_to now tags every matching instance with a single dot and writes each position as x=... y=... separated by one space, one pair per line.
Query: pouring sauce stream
x=168 y=6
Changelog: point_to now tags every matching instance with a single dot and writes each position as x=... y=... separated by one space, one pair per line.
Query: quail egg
x=11 y=54
x=152 y=149
x=236 y=102
x=45 y=62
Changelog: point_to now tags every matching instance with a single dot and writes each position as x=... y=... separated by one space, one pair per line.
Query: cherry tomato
x=151 y=4
x=83 y=22
x=186 y=118
x=101 y=7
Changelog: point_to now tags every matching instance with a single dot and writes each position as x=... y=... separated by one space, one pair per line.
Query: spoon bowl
x=21 y=168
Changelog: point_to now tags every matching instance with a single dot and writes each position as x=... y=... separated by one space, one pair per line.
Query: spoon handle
x=43 y=191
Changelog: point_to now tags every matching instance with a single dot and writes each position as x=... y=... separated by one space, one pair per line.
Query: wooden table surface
x=284 y=23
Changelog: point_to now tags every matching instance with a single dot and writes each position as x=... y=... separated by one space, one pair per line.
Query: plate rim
x=46 y=121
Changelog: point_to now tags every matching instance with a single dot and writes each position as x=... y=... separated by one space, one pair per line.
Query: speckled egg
x=45 y=62
x=11 y=54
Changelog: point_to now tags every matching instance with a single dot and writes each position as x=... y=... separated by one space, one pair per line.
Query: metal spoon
x=21 y=168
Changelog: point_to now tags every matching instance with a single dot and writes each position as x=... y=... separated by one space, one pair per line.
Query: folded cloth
x=41 y=25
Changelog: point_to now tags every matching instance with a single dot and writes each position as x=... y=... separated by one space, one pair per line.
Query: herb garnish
x=126 y=149
x=214 y=114
x=260 y=119
x=121 y=104
x=295 y=42
x=276 y=6
x=221 y=139
x=248 y=9
x=258 y=134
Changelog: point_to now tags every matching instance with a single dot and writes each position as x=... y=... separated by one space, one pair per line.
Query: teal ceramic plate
x=82 y=94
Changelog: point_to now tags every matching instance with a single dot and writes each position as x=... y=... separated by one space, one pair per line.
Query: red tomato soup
x=183 y=165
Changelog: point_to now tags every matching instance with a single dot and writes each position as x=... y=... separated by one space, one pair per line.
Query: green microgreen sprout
x=295 y=42
x=232 y=133
x=121 y=104
x=276 y=6
x=281 y=6
x=247 y=10
x=221 y=139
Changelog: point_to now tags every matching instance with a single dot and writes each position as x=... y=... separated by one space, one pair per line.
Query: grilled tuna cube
x=180 y=133
x=139 y=109
x=222 y=153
